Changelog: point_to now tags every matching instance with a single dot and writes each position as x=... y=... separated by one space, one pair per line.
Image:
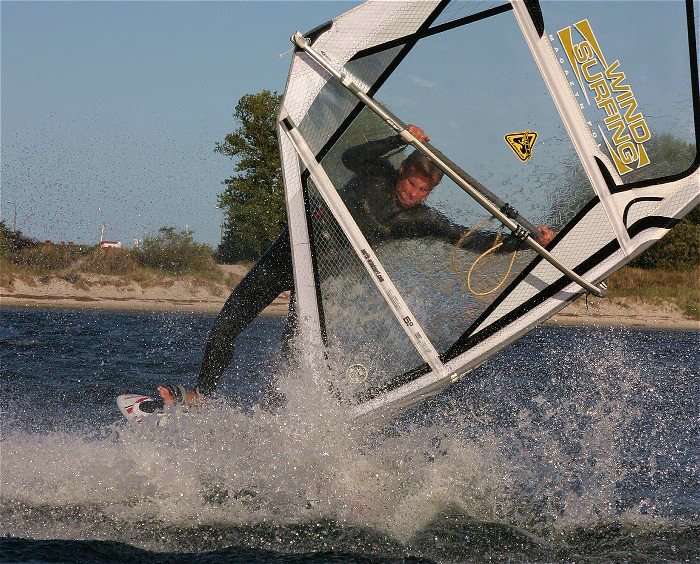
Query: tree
x=176 y=252
x=678 y=250
x=253 y=201
x=12 y=241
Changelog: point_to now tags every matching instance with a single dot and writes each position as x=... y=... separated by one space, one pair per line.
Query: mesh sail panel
x=364 y=27
x=361 y=332
x=448 y=284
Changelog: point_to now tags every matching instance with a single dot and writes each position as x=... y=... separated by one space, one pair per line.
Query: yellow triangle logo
x=521 y=143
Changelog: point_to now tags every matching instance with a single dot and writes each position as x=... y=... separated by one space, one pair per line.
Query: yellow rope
x=505 y=276
x=458 y=244
x=497 y=244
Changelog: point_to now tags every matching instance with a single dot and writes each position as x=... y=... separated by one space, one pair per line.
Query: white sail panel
x=585 y=239
x=364 y=27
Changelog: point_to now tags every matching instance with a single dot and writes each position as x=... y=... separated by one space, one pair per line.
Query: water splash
x=534 y=457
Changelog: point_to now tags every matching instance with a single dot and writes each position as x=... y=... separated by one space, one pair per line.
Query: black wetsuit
x=371 y=198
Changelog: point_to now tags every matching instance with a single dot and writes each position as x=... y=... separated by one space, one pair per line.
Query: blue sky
x=110 y=110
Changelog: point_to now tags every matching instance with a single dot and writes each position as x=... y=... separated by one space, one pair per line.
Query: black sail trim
x=652 y=222
x=536 y=300
x=535 y=11
x=314 y=263
x=636 y=200
x=400 y=56
x=521 y=310
x=395 y=382
x=458 y=347
x=432 y=31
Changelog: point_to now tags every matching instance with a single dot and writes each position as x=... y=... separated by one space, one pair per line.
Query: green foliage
x=679 y=250
x=667 y=155
x=253 y=200
x=111 y=262
x=74 y=278
x=42 y=257
x=176 y=252
x=27 y=253
x=13 y=241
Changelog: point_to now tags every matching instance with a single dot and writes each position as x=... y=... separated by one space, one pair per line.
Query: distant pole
x=221 y=224
x=102 y=232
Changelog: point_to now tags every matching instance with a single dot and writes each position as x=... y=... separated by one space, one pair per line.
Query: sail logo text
x=373 y=266
x=627 y=130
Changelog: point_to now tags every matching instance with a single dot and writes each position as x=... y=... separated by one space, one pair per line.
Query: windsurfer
x=386 y=203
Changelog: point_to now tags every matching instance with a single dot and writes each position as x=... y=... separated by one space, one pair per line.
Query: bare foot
x=168 y=399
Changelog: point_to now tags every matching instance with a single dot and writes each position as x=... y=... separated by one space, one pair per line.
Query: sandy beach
x=192 y=295
x=96 y=291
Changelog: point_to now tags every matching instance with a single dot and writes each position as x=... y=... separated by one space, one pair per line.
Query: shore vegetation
x=160 y=259
x=254 y=213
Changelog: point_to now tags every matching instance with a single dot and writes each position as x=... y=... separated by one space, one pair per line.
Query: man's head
x=418 y=175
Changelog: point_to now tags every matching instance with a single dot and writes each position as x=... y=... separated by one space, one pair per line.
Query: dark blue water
x=573 y=444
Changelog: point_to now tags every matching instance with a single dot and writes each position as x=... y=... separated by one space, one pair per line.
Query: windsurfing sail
x=560 y=113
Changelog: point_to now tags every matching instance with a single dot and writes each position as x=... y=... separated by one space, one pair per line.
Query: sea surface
x=574 y=444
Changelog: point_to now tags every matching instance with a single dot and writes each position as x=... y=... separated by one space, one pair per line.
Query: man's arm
x=367 y=157
x=434 y=224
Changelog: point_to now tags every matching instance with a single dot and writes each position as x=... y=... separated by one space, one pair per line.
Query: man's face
x=413 y=186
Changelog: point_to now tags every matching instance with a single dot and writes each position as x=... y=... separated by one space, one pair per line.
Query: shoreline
x=191 y=296
x=100 y=292
x=278 y=307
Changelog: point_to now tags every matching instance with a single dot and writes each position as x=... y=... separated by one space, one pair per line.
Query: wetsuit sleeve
x=270 y=276
x=431 y=223
x=367 y=158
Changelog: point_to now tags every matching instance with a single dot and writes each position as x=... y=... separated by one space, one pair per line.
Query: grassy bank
x=173 y=256
x=158 y=262
x=84 y=275
x=679 y=287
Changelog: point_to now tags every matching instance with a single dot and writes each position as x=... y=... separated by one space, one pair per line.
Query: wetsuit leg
x=270 y=276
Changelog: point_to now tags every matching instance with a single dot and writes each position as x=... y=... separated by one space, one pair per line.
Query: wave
x=544 y=467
